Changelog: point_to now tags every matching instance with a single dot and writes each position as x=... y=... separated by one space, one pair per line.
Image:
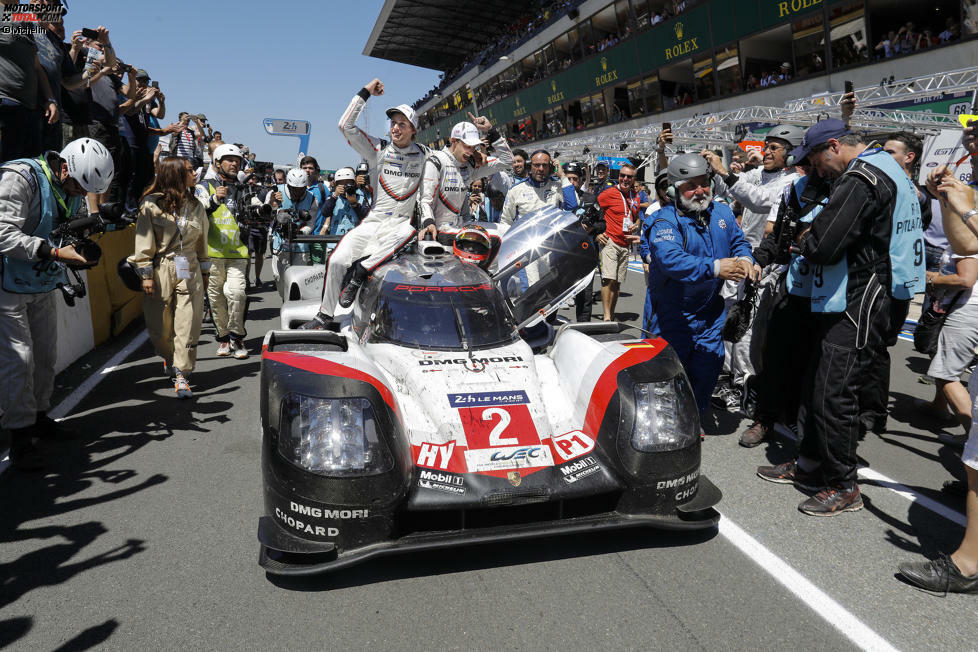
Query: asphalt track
x=142 y=536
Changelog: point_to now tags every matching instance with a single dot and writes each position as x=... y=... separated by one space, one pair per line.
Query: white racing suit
x=759 y=192
x=396 y=174
x=445 y=185
x=28 y=321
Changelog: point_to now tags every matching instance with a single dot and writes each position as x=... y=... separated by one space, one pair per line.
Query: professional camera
x=288 y=222
x=786 y=225
x=592 y=217
x=77 y=233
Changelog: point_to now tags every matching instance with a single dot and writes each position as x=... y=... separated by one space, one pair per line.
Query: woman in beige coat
x=171 y=258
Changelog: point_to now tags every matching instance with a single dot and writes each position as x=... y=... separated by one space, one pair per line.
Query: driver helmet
x=472 y=245
x=574 y=167
x=226 y=150
x=297 y=178
x=89 y=163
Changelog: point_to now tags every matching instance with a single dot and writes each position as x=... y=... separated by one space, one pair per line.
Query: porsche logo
x=678 y=27
x=604 y=63
x=514 y=478
x=475 y=365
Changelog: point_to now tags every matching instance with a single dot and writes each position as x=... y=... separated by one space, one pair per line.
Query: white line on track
x=831 y=611
x=59 y=411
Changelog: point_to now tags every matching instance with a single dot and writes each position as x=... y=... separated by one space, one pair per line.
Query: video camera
x=288 y=221
x=77 y=233
x=789 y=217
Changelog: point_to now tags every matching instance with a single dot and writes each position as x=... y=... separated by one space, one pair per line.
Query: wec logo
x=526 y=453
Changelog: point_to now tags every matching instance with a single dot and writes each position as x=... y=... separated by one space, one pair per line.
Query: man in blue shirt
x=695 y=245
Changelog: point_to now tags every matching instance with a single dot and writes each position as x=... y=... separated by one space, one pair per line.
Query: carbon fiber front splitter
x=283 y=554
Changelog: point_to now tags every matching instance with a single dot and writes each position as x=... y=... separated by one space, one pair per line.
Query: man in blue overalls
x=695 y=245
x=865 y=251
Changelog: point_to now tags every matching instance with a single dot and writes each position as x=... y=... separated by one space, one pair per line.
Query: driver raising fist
x=395 y=169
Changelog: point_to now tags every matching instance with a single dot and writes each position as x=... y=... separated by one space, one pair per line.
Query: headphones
x=553 y=168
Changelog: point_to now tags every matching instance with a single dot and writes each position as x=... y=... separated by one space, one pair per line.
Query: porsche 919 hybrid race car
x=448 y=411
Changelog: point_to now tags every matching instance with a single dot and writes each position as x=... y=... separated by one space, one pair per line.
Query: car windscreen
x=447 y=318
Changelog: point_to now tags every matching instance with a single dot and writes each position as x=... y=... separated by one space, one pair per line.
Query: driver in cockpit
x=472 y=245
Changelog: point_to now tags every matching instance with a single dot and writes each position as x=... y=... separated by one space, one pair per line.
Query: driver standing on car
x=695 y=246
x=448 y=173
x=398 y=166
x=35 y=196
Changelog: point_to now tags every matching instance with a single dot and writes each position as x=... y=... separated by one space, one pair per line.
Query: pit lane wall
x=108 y=307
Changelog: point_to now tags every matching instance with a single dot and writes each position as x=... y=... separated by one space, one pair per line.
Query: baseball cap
x=467 y=133
x=600 y=164
x=406 y=111
x=141 y=74
x=819 y=134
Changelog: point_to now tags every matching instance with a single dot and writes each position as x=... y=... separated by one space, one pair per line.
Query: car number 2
x=496 y=436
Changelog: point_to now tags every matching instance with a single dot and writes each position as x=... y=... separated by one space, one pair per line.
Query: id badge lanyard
x=181 y=262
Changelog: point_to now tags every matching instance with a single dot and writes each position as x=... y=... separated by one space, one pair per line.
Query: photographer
x=448 y=172
x=790 y=336
x=36 y=196
x=863 y=257
x=574 y=173
x=363 y=183
x=695 y=245
x=344 y=209
x=171 y=258
x=310 y=166
x=757 y=191
x=475 y=205
x=256 y=229
x=223 y=200
x=296 y=207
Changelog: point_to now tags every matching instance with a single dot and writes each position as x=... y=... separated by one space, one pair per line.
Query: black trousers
x=875 y=395
x=843 y=355
x=583 y=301
x=786 y=356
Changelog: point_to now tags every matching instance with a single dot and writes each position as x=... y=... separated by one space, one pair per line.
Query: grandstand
x=603 y=72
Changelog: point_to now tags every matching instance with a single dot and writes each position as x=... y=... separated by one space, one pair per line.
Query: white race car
x=448 y=411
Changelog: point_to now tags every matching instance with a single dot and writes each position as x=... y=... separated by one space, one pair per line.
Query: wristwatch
x=967 y=216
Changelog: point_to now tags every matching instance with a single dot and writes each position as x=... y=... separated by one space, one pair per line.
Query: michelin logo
x=580 y=469
x=447 y=482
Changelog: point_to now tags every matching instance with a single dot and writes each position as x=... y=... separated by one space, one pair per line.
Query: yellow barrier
x=113 y=305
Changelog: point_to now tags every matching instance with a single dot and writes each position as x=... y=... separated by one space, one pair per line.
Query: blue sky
x=239 y=62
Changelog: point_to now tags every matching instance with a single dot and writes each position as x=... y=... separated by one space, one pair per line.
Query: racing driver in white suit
x=395 y=168
x=449 y=172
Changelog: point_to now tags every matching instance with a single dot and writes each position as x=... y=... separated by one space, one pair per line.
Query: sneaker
x=240 y=351
x=224 y=350
x=791 y=473
x=832 y=501
x=727 y=399
x=941 y=575
x=755 y=434
x=317 y=323
x=349 y=293
x=182 y=387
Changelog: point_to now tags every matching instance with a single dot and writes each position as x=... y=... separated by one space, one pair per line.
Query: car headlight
x=665 y=416
x=333 y=437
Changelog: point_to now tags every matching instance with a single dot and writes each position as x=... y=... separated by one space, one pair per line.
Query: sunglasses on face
x=626 y=176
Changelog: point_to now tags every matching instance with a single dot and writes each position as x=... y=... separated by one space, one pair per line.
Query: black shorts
x=257 y=241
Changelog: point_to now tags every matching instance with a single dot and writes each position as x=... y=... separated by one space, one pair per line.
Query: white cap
x=407 y=111
x=467 y=133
